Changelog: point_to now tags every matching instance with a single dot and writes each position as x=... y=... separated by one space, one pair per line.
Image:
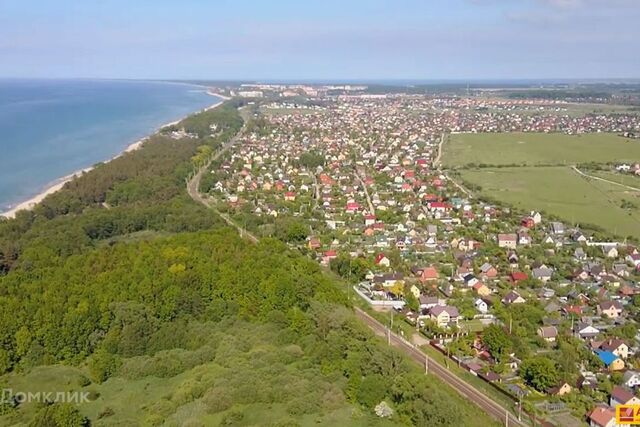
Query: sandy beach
x=59 y=183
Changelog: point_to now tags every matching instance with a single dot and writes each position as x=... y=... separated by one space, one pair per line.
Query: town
x=534 y=306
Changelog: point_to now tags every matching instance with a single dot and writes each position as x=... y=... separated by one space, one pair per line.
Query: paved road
x=466 y=390
x=193 y=186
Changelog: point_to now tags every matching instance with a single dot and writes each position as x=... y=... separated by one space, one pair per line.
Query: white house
x=631 y=379
x=481 y=306
x=537 y=218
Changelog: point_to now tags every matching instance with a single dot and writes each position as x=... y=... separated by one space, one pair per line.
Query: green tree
x=497 y=341
x=5 y=361
x=540 y=372
x=291 y=230
x=59 y=415
x=102 y=365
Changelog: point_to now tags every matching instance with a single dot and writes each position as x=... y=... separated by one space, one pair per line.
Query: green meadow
x=519 y=149
x=232 y=373
x=239 y=377
x=562 y=192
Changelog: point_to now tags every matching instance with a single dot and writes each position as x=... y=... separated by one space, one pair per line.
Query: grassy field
x=537 y=149
x=576 y=199
x=624 y=179
x=167 y=396
x=569 y=109
x=242 y=376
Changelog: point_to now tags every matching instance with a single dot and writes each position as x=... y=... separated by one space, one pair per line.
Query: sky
x=321 y=40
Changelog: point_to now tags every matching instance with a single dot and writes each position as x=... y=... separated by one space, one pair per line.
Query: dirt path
x=597 y=178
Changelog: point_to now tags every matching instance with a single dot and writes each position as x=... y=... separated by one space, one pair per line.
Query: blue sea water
x=52 y=128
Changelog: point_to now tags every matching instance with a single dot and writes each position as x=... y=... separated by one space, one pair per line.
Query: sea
x=52 y=128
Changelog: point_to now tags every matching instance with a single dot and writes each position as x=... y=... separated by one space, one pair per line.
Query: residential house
x=631 y=379
x=602 y=416
x=622 y=396
x=369 y=220
x=610 y=251
x=537 y=218
x=586 y=331
x=481 y=305
x=470 y=279
x=314 y=243
x=528 y=222
x=513 y=298
x=518 y=276
x=610 y=360
x=578 y=236
x=550 y=240
x=509 y=241
x=611 y=309
x=616 y=346
x=328 y=256
x=620 y=269
x=587 y=380
x=481 y=289
x=557 y=228
x=488 y=271
x=560 y=390
x=389 y=279
x=523 y=238
x=415 y=291
x=425 y=274
x=444 y=315
x=633 y=259
x=427 y=302
x=548 y=333
x=382 y=260
x=542 y=273
x=546 y=293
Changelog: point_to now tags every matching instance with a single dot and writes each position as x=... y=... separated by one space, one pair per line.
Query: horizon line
x=364 y=80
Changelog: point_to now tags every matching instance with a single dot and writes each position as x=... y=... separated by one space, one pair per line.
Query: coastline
x=59 y=183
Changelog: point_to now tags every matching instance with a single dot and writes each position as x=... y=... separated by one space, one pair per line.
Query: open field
x=572 y=109
x=562 y=192
x=537 y=149
x=624 y=179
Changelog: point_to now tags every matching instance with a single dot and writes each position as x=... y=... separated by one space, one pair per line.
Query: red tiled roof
x=602 y=415
x=517 y=276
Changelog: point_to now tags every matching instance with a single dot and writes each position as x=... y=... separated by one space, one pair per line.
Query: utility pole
x=572 y=322
x=391 y=327
x=426 y=364
x=520 y=408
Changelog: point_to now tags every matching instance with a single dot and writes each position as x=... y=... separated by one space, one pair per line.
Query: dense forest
x=122 y=287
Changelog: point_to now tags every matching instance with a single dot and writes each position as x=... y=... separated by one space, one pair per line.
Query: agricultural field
x=519 y=149
x=569 y=109
x=561 y=191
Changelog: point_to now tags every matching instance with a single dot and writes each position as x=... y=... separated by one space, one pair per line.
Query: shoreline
x=59 y=183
